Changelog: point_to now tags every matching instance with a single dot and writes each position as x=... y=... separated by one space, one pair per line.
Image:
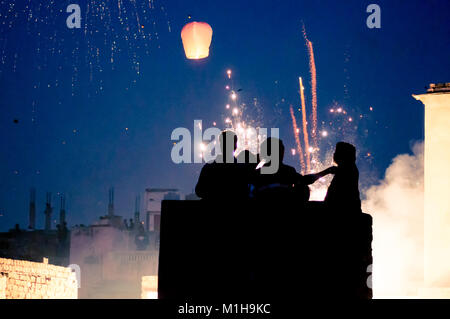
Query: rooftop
x=439 y=87
x=161 y=190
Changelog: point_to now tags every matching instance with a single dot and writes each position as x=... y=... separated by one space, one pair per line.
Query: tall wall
x=437 y=174
x=20 y=279
x=207 y=254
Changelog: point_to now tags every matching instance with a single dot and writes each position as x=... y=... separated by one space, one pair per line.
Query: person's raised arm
x=311 y=178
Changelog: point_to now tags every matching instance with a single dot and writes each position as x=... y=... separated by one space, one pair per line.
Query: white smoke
x=397 y=206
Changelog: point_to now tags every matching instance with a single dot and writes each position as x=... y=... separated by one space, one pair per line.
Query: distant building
x=153 y=198
x=436 y=235
x=34 y=244
x=113 y=255
x=192 y=196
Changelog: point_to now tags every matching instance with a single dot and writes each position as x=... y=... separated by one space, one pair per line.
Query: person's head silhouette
x=228 y=145
x=267 y=155
x=247 y=157
x=345 y=154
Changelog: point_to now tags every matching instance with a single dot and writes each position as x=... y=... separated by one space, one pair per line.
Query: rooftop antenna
x=48 y=212
x=62 y=211
x=111 y=202
x=32 y=214
x=137 y=209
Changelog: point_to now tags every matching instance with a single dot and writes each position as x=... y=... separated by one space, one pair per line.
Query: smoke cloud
x=396 y=204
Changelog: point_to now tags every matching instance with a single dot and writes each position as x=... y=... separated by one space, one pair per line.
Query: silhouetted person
x=283 y=181
x=343 y=192
x=247 y=157
x=285 y=193
x=286 y=181
x=249 y=161
x=223 y=178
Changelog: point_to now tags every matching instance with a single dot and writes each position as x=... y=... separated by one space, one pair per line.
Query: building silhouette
x=114 y=253
x=34 y=244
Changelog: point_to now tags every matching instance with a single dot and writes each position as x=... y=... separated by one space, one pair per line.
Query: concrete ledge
x=262 y=249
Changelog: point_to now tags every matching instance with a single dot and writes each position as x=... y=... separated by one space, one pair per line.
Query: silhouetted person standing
x=286 y=181
x=223 y=178
x=249 y=162
x=248 y=157
x=283 y=181
x=343 y=192
x=285 y=193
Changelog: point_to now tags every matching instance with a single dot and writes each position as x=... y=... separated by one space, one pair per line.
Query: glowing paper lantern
x=196 y=38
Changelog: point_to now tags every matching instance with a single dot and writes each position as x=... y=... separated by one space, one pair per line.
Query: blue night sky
x=69 y=95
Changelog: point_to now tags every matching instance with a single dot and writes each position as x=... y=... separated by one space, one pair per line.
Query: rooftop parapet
x=438 y=87
x=263 y=249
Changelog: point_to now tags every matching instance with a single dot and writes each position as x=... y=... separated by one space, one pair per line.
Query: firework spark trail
x=245 y=125
x=297 y=139
x=312 y=69
x=305 y=125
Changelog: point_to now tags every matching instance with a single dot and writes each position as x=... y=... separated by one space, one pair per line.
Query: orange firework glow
x=297 y=139
x=312 y=69
x=305 y=128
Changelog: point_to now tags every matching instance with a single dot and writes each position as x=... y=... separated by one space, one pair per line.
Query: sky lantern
x=196 y=38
